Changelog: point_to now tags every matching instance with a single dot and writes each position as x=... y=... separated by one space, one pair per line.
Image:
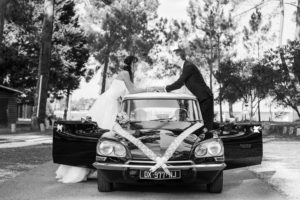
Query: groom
x=193 y=80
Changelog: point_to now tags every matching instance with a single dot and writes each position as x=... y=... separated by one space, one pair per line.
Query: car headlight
x=209 y=148
x=109 y=148
x=200 y=151
x=119 y=150
x=214 y=148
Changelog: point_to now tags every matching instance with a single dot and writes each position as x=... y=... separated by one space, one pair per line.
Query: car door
x=74 y=142
x=242 y=144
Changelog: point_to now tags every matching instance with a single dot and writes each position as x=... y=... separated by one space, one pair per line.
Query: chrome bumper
x=144 y=165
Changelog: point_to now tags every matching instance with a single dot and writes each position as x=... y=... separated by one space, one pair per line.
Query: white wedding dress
x=104 y=112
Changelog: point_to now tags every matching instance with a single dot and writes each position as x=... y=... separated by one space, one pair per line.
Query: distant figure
x=50 y=116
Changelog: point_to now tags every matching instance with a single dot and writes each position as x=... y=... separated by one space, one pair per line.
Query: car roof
x=158 y=95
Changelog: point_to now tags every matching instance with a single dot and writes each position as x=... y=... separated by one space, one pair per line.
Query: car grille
x=151 y=163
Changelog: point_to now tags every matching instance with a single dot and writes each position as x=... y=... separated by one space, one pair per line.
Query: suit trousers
x=207 y=111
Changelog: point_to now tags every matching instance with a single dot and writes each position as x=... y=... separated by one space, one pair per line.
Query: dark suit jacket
x=193 y=80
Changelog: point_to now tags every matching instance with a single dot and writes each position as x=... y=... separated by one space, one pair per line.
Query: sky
x=175 y=9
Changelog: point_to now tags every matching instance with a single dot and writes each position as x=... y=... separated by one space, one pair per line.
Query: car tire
x=103 y=184
x=217 y=185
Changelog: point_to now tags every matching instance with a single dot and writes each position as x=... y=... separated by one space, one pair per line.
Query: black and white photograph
x=149 y=99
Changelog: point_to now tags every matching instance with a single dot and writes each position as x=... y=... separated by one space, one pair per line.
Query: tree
x=213 y=20
x=255 y=37
x=297 y=34
x=210 y=18
x=123 y=30
x=3 y=4
x=297 y=38
x=281 y=4
x=229 y=79
x=70 y=52
x=287 y=86
x=39 y=111
x=171 y=34
x=262 y=79
x=20 y=46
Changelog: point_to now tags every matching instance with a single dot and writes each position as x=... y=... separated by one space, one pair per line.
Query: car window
x=161 y=109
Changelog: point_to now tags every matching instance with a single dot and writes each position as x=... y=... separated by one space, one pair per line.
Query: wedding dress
x=104 y=112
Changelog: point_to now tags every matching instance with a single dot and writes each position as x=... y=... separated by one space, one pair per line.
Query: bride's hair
x=128 y=61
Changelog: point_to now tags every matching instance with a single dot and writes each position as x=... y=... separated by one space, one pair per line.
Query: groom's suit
x=193 y=80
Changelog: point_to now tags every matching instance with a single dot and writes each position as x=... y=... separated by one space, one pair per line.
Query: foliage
x=287 y=86
x=229 y=77
x=212 y=21
x=122 y=29
x=245 y=80
x=21 y=48
x=255 y=36
x=171 y=34
x=70 y=50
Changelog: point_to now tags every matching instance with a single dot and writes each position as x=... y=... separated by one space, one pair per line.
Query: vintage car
x=158 y=121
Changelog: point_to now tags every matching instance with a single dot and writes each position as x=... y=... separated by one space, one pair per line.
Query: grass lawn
x=15 y=161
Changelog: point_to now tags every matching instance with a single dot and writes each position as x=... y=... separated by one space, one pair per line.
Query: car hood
x=158 y=141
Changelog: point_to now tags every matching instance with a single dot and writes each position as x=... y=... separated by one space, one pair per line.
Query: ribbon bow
x=160 y=161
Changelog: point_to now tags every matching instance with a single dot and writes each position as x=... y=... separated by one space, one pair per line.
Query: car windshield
x=162 y=110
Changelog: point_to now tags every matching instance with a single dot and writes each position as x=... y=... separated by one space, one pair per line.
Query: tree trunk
x=251 y=108
x=220 y=86
x=297 y=111
x=104 y=73
x=230 y=109
x=67 y=105
x=211 y=62
x=2 y=20
x=258 y=111
x=258 y=49
x=296 y=63
x=2 y=17
x=270 y=112
x=211 y=24
x=281 y=22
x=39 y=112
x=297 y=36
x=220 y=104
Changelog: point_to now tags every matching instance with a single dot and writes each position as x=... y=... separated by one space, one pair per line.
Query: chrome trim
x=152 y=162
x=232 y=136
x=159 y=95
x=197 y=167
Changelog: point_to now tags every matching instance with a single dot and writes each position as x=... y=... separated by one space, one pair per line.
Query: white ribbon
x=160 y=161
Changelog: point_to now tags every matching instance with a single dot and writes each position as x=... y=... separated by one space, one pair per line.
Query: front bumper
x=143 y=165
x=190 y=172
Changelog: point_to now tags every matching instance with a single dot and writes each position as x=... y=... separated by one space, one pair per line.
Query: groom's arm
x=186 y=73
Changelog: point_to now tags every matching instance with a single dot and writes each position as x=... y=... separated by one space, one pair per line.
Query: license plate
x=160 y=175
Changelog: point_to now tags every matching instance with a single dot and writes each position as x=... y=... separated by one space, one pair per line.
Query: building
x=8 y=107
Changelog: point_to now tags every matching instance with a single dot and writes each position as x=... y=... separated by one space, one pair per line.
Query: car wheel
x=217 y=185
x=103 y=184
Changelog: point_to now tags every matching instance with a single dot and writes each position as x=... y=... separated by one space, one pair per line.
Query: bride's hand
x=156 y=89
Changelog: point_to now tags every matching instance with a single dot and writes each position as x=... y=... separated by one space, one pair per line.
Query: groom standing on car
x=193 y=80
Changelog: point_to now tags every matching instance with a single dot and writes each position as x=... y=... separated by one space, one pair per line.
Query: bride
x=104 y=112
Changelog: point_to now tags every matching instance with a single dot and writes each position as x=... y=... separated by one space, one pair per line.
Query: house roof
x=11 y=89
